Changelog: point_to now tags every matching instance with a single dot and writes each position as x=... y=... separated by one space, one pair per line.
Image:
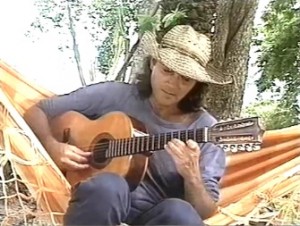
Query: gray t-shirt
x=101 y=98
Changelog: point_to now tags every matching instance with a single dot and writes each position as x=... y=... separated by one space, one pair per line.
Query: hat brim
x=183 y=64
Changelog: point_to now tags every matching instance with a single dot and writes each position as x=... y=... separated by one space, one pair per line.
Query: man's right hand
x=68 y=157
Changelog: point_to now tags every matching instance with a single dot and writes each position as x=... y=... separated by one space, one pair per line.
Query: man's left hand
x=186 y=157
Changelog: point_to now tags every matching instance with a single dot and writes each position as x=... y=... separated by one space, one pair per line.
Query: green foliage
x=174 y=18
x=119 y=19
x=279 y=58
x=116 y=19
x=273 y=115
x=105 y=55
x=155 y=24
x=148 y=23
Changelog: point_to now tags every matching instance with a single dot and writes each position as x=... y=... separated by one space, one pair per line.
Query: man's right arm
x=84 y=100
x=89 y=101
x=38 y=121
x=67 y=157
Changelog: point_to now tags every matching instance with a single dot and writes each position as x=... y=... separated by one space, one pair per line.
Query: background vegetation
x=115 y=27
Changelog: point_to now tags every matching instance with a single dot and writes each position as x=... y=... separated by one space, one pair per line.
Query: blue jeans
x=106 y=200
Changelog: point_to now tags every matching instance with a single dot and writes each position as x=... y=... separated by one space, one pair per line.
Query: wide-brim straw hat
x=186 y=52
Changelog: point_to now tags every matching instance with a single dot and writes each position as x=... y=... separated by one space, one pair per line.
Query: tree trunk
x=229 y=24
x=231 y=46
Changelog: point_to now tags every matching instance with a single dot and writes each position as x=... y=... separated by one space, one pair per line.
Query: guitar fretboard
x=149 y=143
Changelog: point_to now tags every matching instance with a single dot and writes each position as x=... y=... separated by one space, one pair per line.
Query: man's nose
x=174 y=78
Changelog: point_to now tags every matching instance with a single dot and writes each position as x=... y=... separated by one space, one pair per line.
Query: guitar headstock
x=238 y=135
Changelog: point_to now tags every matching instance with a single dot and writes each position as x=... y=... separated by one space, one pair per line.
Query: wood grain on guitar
x=120 y=144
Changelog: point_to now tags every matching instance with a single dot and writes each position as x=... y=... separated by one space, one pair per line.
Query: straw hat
x=186 y=52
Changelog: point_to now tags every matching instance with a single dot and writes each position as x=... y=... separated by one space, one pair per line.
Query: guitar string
x=120 y=152
x=133 y=140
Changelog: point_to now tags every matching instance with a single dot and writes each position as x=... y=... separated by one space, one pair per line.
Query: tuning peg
x=224 y=147
x=256 y=147
x=241 y=147
x=248 y=147
x=233 y=148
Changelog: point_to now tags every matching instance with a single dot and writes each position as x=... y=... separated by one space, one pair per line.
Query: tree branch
x=75 y=46
x=133 y=49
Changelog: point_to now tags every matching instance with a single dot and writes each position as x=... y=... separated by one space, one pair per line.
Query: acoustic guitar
x=120 y=144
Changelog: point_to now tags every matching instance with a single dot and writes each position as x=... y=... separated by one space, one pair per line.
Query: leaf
x=148 y=23
x=173 y=18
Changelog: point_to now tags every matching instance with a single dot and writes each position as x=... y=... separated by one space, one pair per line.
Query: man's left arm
x=201 y=171
x=196 y=194
x=202 y=186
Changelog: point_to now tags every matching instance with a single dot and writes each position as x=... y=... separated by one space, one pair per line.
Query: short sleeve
x=89 y=101
x=212 y=166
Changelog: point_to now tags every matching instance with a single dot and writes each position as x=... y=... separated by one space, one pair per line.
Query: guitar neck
x=151 y=143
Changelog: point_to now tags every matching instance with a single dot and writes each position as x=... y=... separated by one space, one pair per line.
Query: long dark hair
x=192 y=102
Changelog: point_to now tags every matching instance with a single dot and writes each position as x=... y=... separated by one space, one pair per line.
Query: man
x=181 y=185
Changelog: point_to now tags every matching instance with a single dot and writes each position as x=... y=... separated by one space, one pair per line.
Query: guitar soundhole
x=98 y=159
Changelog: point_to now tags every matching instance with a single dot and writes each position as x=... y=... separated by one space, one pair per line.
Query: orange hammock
x=248 y=175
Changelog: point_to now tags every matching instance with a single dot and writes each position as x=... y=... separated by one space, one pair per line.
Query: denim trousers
x=106 y=200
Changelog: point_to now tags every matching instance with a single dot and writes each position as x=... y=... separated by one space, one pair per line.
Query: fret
x=152 y=143
x=148 y=143
x=137 y=145
x=186 y=135
x=129 y=146
x=162 y=141
x=108 y=150
x=122 y=148
x=126 y=146
x=142 y=144
x=116 y=149
x=119 y=147
x=133 y=146
x=199 y=134
x=158 y=142
x=112 y=150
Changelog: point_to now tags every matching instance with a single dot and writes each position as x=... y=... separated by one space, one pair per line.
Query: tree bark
x=231 y=46
x=229 y=24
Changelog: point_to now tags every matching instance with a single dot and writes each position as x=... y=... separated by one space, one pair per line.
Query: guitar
x=120 y=145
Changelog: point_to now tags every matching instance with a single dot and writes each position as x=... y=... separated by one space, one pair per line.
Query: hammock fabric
x=250 y=177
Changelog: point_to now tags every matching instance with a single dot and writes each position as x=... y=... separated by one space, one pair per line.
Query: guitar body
x=88 y=134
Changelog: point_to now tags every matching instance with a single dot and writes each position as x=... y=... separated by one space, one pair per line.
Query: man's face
x=168 y=87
